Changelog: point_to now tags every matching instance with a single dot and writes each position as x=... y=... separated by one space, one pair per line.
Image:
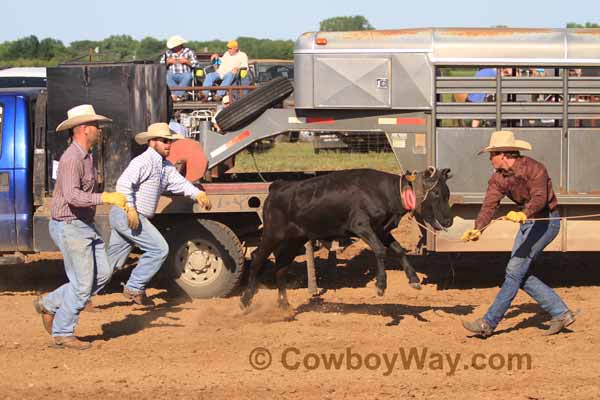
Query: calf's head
x=435 y=205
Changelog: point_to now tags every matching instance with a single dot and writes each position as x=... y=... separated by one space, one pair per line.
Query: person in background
x=180 y=62
x=483 y=97
x=231 y=62
x=225 y=103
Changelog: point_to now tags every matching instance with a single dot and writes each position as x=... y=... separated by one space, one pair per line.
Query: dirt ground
x=348 y=343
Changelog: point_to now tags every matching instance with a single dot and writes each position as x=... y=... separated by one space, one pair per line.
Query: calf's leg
x=409 y=270
x=266 y=247
x=284 y=256
x=363 y=230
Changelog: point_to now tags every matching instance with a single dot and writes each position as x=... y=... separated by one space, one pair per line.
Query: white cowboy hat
x=505 y=141
x=175 y=41
x=157 y=130
x=80 y=115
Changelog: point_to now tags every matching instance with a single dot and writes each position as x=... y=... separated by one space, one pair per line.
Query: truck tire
x=206 y=259
x=251 y=106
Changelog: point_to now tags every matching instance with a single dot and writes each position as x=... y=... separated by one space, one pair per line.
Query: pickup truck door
x=8 y=233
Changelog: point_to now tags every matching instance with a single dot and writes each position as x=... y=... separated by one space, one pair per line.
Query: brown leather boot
x=559 y=323
x=479 y=327
x=139 y=298
x=47 y=316
x=70 y=342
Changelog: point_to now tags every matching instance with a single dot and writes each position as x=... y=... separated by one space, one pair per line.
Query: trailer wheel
x=251 y=106
x=206 y=259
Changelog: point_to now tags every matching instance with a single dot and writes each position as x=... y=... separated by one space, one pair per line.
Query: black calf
x=360 y=203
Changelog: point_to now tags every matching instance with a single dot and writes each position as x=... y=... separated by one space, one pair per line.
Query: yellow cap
x=232 y=43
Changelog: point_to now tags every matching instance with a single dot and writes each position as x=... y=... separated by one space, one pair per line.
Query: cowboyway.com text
x=410 y=358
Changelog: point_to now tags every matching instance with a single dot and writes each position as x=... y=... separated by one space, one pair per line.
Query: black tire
x=196 y=242
x=250 y=107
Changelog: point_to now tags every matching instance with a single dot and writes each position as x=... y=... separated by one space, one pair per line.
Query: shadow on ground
x=446 y=271
x=395 y=312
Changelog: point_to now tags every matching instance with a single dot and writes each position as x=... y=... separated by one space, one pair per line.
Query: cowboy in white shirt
x=146 y=177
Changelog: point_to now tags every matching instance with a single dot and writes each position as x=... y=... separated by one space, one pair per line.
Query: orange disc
x=189 y=151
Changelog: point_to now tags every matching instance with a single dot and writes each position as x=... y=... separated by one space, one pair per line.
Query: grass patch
x=297 y=157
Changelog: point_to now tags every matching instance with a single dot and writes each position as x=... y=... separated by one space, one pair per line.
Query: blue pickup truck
x=206 y=248
x=17 y=87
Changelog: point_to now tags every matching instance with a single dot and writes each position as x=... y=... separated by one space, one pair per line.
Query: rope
x=435 y=233
x=256 y=166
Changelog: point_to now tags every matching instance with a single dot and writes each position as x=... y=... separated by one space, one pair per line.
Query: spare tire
x=251 y=106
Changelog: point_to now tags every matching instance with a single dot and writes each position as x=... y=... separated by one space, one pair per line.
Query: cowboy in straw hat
x=526 y=182
x=232 y=62
x=146 y=177
x=73 y=230
x=502 y=141
x=180 y=61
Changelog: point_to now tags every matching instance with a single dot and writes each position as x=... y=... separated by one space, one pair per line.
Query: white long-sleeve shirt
x=149 y=175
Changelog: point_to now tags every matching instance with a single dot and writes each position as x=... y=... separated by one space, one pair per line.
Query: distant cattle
x=361 y=203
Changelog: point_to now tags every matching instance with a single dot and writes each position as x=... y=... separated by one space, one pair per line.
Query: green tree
x=150 y=49
x=26 y=47
x=119 y=48
x=79 y=49
x=349 y=23
x=29 y=51
x=586 y=25
x=210 y=46
x=51 y=48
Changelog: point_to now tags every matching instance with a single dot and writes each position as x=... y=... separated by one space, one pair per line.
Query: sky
x=70 y=20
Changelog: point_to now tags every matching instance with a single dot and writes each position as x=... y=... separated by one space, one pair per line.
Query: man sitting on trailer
x=146 y=177
x=232 y=61
x=483 y=97
x=180 y=61
x=526 y=182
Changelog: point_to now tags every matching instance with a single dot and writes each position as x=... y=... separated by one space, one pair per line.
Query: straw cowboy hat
x=157 y=130
x=232 y=44
x=175 y=41
x=505 y=141
x=80 y=115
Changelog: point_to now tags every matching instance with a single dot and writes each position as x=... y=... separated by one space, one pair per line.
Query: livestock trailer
x=412 y=86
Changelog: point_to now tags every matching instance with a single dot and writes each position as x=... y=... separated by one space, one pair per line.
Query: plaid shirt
x=74 y=196
x=180 y=68
x=146 y=177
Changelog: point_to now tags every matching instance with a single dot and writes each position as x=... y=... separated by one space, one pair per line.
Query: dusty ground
x=202 y=349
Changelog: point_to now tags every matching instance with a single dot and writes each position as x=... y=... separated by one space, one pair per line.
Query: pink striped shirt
x=74 y=196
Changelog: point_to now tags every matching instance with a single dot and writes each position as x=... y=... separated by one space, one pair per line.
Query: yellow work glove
x=203 y=200
x=471 y=235
x=114 y=198
x=133 y=219
x=516 y=216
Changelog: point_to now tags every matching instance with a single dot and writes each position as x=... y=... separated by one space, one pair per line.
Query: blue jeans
x=531 y=239
x=213 y=76
x=146 y=237
x=183 y=79
x=87 y=269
